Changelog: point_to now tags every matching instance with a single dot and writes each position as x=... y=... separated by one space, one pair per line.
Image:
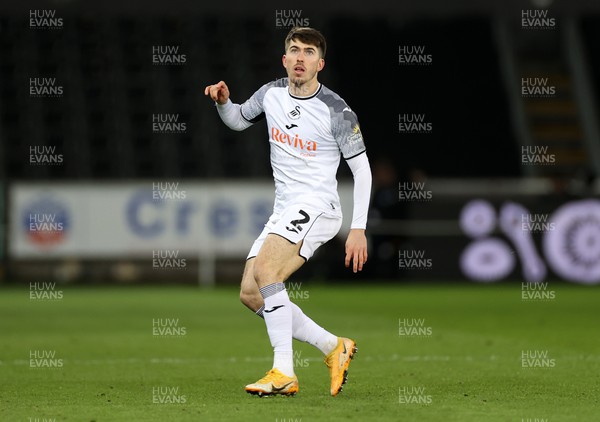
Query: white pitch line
x=233 y=359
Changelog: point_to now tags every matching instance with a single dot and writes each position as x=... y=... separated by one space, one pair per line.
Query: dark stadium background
x=484 y=227
x=101 y=125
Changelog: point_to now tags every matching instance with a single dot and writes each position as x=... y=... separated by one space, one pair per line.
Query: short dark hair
x=308 y=36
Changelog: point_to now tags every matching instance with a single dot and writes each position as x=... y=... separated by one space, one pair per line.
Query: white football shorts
x=300 y=223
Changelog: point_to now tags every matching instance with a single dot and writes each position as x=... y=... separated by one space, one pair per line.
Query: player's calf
x=249 y=293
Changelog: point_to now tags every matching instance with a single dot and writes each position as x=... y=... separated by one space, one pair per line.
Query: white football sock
x=308 y=331
x=278 y=318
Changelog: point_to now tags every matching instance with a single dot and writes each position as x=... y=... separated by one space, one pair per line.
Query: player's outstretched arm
x=229 y=112
x=356 y=244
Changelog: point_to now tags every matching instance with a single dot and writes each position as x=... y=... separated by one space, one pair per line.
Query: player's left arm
x=346 y=131
x=356 y=244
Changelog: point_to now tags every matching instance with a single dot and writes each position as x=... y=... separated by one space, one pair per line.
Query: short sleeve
x=252 y=110
x=346 y=131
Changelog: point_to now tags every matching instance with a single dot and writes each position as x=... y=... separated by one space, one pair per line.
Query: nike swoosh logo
x=274 y=308
x=290 y=126
x=276 y=389
x=342 y=354
x=346 y=109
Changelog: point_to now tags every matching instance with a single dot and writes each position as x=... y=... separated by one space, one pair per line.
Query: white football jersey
x=307 y=137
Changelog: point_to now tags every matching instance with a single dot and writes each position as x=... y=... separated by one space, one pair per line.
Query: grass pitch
x=426 y=353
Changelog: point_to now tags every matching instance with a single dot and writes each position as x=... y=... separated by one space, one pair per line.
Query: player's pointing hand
x=218 y=92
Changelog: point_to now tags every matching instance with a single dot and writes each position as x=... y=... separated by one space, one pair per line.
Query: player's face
x=302 y=62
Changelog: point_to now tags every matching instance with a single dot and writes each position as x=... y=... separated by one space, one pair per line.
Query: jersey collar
x=305 y=98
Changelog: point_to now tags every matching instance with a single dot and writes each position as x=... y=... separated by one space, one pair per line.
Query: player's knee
x=265 y=273
x=245 y=298
x=252 y=300
x=262 y=271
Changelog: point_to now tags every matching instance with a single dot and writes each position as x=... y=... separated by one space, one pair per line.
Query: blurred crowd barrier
x=440 y=230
